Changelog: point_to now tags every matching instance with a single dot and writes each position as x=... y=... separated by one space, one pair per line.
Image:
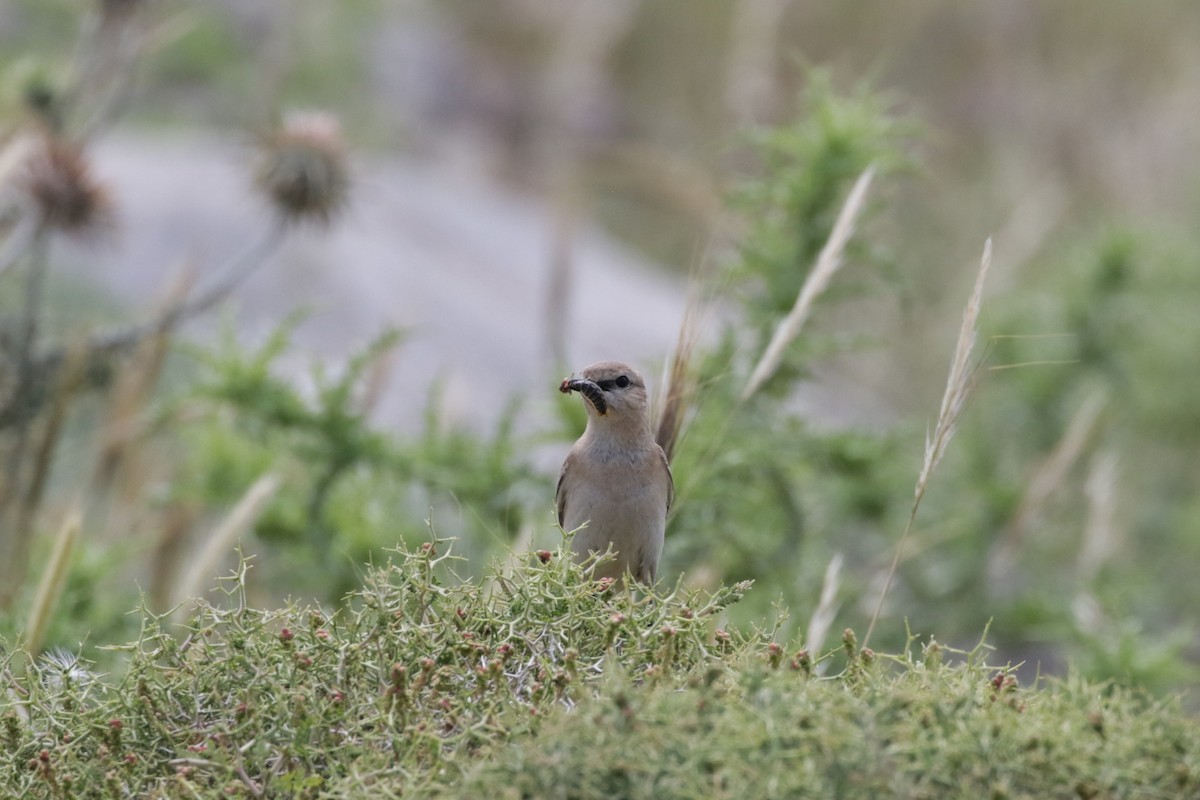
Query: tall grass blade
x=680 y=386
x=958 y=384
x=1101 y=538
x=243 y=515
x=958 y=388
x=827 y=608
x=828 y=262
x=51 y=585
x=1050 y=475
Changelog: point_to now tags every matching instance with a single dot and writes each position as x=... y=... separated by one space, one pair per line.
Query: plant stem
x=14 y=541
x=102 y=345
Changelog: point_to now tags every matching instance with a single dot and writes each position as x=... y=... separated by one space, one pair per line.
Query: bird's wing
x=560 y=497
x=670 y=478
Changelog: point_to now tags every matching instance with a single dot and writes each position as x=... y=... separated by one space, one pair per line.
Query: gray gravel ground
x=462 y=265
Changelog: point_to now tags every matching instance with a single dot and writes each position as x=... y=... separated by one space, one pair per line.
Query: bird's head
x=611 y=391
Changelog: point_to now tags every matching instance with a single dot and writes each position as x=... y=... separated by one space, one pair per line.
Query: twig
x=35 y=284
x=236 y=272
x=19 y=240
x=255 y=789
x=107 y=50
x=43 y=458
x=22 y=397
x=102 y=345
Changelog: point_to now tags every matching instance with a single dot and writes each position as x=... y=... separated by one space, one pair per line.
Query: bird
x=615 y=487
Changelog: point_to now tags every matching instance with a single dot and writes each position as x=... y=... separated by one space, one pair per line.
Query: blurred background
x=306 y=275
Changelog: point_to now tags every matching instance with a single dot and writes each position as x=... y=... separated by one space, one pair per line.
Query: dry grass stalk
x=15 y=694
x=954 y=399
x=1100 y=543
x=22 y=531
x=1101 y=540
x=1049 y=476
x=22 y=488
x=750 y=82
x=588 y=32
x=15 y=152
x=1034 y=217
x=828 y=262
x=50 y=586
x=243 y=515
x=378 y=376
x=64 y=390
x=1100 y=535
x=173 y=525
x=20 y=238
x=1053 y=471
x=827 y=608
x=679 y=388
x=958 y=384
x=125 y=418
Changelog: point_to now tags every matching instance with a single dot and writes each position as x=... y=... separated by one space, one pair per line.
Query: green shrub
x=541 y=683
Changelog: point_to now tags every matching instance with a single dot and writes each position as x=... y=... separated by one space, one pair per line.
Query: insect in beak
x=589 y=389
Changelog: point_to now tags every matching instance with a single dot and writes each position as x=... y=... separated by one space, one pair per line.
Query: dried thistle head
x=67 y=197
x=304 y=171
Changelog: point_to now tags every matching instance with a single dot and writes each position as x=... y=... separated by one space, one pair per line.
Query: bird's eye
x=622 y=382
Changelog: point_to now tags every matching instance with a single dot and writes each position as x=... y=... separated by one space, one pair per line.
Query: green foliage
x=348 y=486
x=1105 y=322
x=761 y=494
x=913 y=733
x=546 y=684
x=90 y=609
x=806 y=169
x=324 y=436
x=764 y=496
x=313 y=58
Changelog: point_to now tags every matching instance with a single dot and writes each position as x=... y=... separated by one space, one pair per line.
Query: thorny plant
x=48 y=191
x=423 y=685
x=417 y=670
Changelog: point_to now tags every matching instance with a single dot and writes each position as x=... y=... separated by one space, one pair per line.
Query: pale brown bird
x=615 y=487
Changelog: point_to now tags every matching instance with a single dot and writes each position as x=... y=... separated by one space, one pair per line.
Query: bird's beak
x=589 y=389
